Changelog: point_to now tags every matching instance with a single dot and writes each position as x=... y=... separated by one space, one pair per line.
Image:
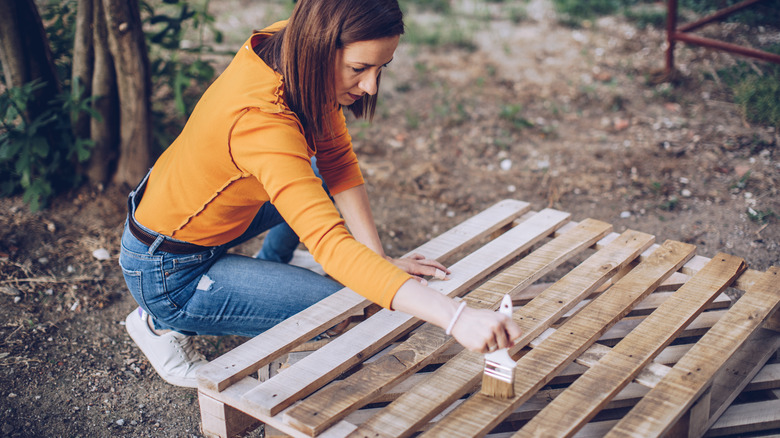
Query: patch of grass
x=741 y=183
x=575 y=12
x=669 y=204
x=756 y=88
x=759 y=98
x=440 y=6
x=760 y=216
x=646 y=16
x=446 y=33
x=513 y=114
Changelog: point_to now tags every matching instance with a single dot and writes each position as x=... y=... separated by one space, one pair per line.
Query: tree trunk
x=104 y=131
x=25 y=52
x=131 y=62
x=83 y=58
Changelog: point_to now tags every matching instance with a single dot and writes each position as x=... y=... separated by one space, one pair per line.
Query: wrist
x=455 y=318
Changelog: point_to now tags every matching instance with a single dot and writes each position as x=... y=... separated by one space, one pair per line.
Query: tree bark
x=131 y=62
x=25 y=53
x=83 y=59
x=104 y=131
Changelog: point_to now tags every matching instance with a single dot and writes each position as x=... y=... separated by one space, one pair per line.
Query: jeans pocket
x=134 y=282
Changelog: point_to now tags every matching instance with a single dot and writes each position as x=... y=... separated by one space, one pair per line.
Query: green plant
x=669 y=204
x=759 y=97
x=646 y=15
x=40 y=154
x=176 y=60
x=760 y=216
x=512 y=114
x=575 y=12
x=741 y=183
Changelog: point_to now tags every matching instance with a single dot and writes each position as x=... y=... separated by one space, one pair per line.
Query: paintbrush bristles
x=498 y=388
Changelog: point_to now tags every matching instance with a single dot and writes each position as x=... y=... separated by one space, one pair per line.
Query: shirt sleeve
x=272 y=148
x=336 y=160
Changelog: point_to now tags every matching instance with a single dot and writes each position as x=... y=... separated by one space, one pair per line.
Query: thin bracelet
x=455 y=317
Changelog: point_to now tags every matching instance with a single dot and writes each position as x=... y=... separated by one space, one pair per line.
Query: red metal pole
x=728 y=47
x=671 y=31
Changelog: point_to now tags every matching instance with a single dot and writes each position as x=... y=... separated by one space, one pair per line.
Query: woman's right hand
x=483 y=330
x=476 y=329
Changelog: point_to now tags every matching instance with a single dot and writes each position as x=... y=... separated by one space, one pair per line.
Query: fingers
x=417 y=264
x=484 y=331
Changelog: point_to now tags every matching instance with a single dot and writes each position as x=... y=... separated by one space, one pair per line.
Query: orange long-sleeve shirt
x=242 y=147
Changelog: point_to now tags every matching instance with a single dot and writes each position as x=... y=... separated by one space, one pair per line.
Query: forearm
x=425 y=303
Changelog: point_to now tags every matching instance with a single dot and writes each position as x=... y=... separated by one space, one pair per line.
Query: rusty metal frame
x=674 y=34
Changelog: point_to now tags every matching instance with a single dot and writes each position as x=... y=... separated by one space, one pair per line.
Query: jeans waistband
x=165 y=244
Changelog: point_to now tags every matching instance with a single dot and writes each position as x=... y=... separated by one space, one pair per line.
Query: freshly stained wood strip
x=667 y=402
x=597 y=386
x=335 y=401
x=312 y=372
x=462 y=373
x=264 y=348
x=744 y=282
x=479 y=414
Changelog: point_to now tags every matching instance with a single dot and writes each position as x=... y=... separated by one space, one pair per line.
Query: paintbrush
x=498 y=379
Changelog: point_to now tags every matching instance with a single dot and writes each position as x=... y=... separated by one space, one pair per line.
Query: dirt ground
x=559 y=117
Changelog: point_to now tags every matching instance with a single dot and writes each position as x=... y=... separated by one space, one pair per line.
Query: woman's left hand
x=418 y=266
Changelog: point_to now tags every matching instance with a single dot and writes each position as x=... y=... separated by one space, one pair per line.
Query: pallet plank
x=312 y=372
x=269 y=345
x=598 y=385
x=691 y=376
x=462 y=373
x=335 y=401
x=480 y=413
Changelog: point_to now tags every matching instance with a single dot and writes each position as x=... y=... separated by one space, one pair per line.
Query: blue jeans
x=212 y=292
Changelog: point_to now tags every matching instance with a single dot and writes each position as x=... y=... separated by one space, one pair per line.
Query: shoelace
x=184 y=343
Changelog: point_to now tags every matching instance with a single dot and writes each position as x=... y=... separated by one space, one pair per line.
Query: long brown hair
x=305 y=50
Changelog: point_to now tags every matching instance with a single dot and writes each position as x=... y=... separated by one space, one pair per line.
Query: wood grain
x=690 y=377
x=479 y=414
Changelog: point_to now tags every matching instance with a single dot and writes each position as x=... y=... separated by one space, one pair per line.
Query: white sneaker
x=304 y=259
x=172 y=354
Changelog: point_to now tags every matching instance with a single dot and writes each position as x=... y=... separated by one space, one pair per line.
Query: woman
x=242 y=165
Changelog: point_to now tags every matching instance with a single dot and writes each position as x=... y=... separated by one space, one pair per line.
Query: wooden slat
x=461 y=374
x=744 y=282
x=480 y=413
x=668 y=401
x=597 y=386
x=335 y=401
x=739 y=370
x=268 y=346
x=376 y=332
x=745 y=418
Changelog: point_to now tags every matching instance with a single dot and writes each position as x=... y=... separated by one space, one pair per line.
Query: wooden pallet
x=622 y=336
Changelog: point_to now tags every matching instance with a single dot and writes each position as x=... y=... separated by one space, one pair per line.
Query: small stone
x=17 y=299
x=75 y=306
x=43 y=260
x=101 y=254
x=11 y=395
x=120 y=422
x=686 y=193
x=70 y=269
x=51 y=227
x=511 y=188
x=506 y=164
x=49 y=291
x=625 y=214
